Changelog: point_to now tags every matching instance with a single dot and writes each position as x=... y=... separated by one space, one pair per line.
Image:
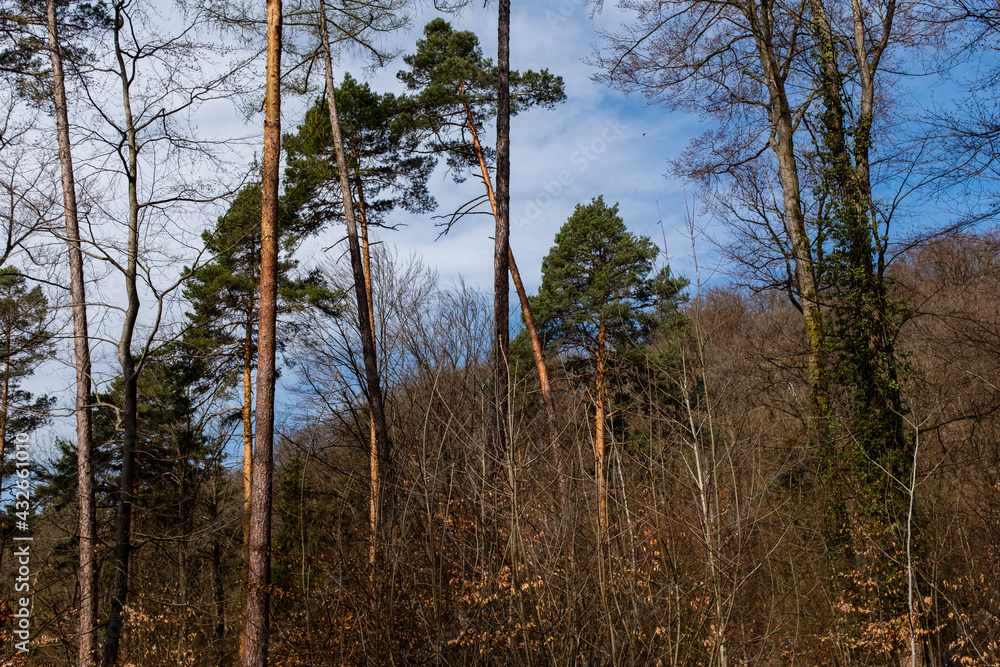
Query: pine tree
x=24 y=343
x=383 y=172
x=224 y=299
x=597 y=302
x=457 y=91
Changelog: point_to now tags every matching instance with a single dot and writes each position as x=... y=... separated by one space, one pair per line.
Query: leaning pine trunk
x=522 y=295
x=384 y=479
x=81 y=351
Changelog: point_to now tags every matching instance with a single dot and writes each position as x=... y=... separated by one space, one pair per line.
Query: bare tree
x=141 y=136
x=740 y=62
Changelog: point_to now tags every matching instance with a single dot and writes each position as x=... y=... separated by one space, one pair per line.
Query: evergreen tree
x=224 y=299
x=382 y=172
x=24 y=343
x=455 y=93
x=598 y=303
x=384 y=169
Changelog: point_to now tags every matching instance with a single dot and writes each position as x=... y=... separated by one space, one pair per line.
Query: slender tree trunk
x=529 y=320
x=218 y=591
x=373 y=458
x=536 y=349
x=599 y=434
x=81 y=349
x=783 y=146
x=257 y=629
x=182 y=570
x=375 y=403
x=247 y=415
x=501 y=286
x=126 y=492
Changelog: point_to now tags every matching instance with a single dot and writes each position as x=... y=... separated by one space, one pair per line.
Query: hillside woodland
x=274 y=459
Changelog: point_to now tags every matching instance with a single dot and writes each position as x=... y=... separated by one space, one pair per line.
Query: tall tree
x=81 y=348
x=758 y=91
x=381 y=476
x=864 y=319
x=597 y=299
x=457 y=91
x=254 y=644
x=223 y=295
x=501 y=263
x=141 y=138
x=384 y=173
x=863 y=324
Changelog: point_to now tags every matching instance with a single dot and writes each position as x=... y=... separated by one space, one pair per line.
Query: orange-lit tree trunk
x=81 y=351
x=247 y=418
x=382 y=477
x=522 y=295
x=373 y=460
x=599 y=435
x=256 y=631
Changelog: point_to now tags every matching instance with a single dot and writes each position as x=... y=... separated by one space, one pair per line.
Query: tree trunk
x=795 y=226
x=218 y=590
x=384 y=472
x=126 y=492
x=536 y=349
x=373 y=457
x=599 y=437
x=247 y=415
x=501 y=286
x=81 y=350
x=257 y=629
x=522 y=295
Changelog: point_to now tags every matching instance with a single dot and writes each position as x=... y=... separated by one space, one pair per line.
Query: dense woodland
x=795 y=461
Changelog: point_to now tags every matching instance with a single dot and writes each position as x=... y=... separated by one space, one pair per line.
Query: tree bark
x=529 y=320
x=257 y=628
x=805 y=273
x=130 y=398
x=599 y=436
x=375 y=403
x=501 y=286
x=373 y=457
x=81 y=351
x=247 y=417
x=536 y=349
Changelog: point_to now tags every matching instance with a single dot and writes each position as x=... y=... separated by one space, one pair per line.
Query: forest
x=246 y=419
